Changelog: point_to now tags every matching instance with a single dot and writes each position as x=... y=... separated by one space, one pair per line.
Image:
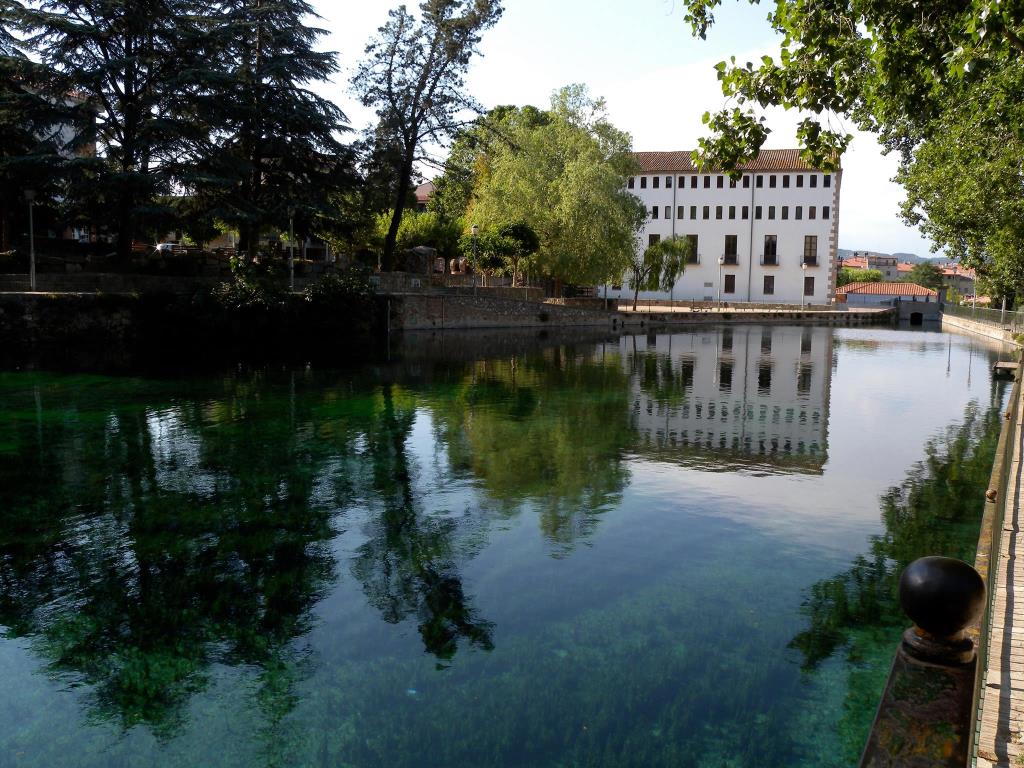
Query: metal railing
x=769 y=260
x=1010 y=321
x=730 y=259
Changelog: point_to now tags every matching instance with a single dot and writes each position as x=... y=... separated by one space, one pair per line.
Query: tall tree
x=274 y=144
x=413 y=74
x=30 y=125
x=659 y=266
x=927 y=274
x=565 y=177
x=126 y=59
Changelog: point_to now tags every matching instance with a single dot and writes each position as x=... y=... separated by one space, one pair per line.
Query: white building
x=751 y=237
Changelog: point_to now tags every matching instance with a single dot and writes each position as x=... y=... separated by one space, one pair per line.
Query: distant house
x=959 y=279
x=424 y=192
x=915 y=302
x=887 y=265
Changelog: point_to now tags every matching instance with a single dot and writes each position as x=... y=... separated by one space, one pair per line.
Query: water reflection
x=154 y=534
x=745 y=395
x=936 y=511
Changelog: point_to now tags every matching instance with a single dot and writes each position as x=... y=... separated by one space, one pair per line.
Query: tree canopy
x=564 y=175
x=413 y=75
x=659 y=266
x=938 y=83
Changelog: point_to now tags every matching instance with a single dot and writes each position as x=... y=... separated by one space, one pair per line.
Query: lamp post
x=475 y=230
x=803 y=285
x=721 y=261
x=30 y=198
x=291 y=249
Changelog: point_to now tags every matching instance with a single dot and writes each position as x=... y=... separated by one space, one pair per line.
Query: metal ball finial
x=943 y=597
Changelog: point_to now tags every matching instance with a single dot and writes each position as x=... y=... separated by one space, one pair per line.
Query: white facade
x=778 y=197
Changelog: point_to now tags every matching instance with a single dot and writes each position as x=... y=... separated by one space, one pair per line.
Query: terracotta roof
x=425 y=191
x=904 y=267
x=682 y=161
x=854 y=262
x=887 y=289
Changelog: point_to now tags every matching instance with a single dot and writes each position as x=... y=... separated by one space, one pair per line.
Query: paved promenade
x=1002 y=696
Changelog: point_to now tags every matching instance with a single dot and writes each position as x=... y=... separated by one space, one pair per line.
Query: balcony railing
x=810 y=261
x=769 y=260
x=730 y=259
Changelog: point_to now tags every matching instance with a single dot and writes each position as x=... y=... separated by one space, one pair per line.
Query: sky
x=657 y=79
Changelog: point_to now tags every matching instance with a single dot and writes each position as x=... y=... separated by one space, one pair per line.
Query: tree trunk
x=404 y=184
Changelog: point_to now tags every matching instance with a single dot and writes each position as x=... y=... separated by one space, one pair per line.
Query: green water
x=491 y=551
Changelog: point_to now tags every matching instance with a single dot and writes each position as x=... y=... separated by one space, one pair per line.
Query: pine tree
x=274 y=145
x=128 y=61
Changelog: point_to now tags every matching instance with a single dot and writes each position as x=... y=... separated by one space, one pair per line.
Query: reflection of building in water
x=754 y=392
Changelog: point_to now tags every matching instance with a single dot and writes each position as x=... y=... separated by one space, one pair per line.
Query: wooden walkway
x=1002 y=703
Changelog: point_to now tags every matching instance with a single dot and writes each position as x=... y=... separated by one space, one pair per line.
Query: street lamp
x=721 y=261
x=803 y=285
x=475 y=230
x=30 y=198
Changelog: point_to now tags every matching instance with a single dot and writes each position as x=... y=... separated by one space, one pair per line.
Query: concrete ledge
x=979 y=328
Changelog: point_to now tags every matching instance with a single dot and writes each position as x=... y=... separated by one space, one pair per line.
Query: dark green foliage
x=253 y=286
x=847 y=276
x=926 y=274
x=272 y=145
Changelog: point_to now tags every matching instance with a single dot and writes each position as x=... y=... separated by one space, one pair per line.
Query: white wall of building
x=702 y=281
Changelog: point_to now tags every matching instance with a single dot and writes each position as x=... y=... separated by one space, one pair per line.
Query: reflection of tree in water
x=936 y=511
x=139 y=548
x=409 y=565
x=548 y=429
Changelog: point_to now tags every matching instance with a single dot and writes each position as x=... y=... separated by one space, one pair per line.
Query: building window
x=694 y=257
x=720 y=182
x=732 y=183
x=730 y=284
x=707 y=182
x=811 y=250
x=764 y=378
x=656 y=181
x=643 y=182
x=654 y=212
x=772 y=180
x=757 y=211
x=746 y=212
x=760 y=182
x=771 y=211
x=803 y=378
x=805 y=341
x=824 y=211
x=798 y=212
x=631 y=183
x=731 y=249
x=732 y=211
x=668 y=182
x=718 y=212
x=668 y=211
x=653 y=239
x=785 y=211
x=812 y=211
x=808 y=286
x=693 y=182
x=826 y=180
x=693 y=211
x=771 y=244
x=799 y=180
x=707 y=212
x=727 y=339
x=769 y=285
x=813 y=180
x=746 y=182
x=785 y=181
x=681 y=212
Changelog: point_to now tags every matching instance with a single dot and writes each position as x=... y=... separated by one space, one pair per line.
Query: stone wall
x=980 y=328
x=443 y=311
